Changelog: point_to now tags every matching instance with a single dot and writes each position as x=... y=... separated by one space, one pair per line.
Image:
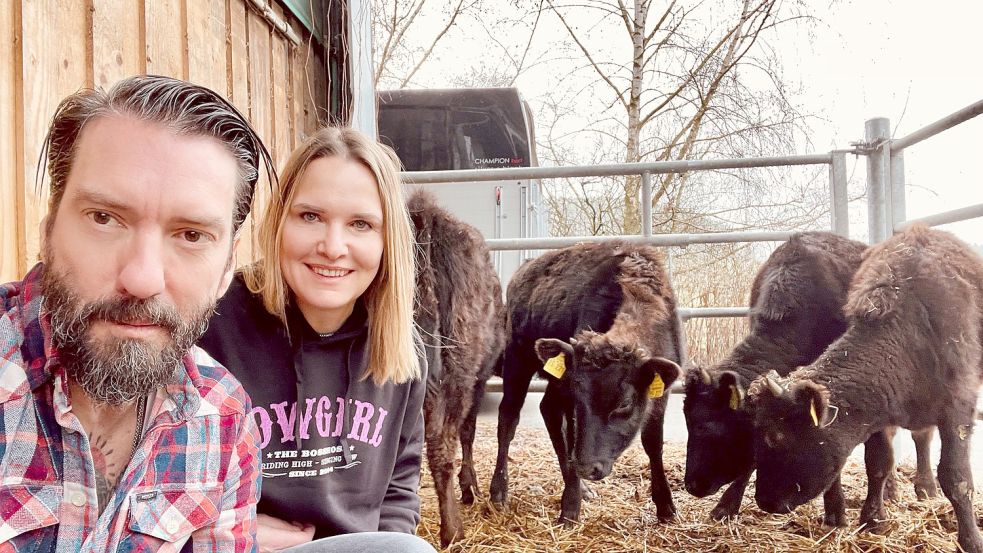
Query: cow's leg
x=924 y=478
x=652 y=444
x=956 y=477
x=890 y=482
x=441 y=448
x=516 y=374
x=555 y=413
x=467 y=477
x=730 y=501
x=879 y=459
x=834 y=504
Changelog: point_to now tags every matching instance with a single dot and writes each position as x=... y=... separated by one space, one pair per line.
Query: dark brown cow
x=911 y=357
x=609 y=310
x=797 y=301
x=460 y=313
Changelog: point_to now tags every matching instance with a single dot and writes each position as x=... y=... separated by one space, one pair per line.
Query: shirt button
x=172 y=526
x=78 y=499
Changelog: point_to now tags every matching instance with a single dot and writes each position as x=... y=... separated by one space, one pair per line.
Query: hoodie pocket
x=172 y=514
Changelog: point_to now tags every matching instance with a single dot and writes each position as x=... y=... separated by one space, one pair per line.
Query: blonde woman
x=320 y=333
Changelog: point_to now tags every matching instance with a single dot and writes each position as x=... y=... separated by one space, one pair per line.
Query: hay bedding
x=622 y=517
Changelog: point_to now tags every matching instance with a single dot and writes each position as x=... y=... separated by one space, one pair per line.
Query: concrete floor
x=675 y=431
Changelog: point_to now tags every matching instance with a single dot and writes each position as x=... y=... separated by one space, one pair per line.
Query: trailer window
x=447 y=138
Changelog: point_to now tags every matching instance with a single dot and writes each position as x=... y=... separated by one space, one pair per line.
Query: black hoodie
x=357 y=472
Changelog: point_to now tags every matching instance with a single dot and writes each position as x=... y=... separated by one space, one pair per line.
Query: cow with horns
x=796 y=311
x=911 y=356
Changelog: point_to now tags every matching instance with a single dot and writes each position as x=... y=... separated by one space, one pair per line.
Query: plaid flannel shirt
x=192 y=484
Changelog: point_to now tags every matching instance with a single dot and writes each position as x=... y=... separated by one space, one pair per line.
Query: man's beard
x=116 y=370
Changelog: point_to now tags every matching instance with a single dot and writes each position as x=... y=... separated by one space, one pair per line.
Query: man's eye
x=193 y=236
x=101 y=217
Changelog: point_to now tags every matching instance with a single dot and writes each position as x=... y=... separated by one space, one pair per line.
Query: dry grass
x=622 y=517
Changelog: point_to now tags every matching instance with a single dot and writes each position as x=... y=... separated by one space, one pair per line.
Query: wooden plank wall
x=51 y=48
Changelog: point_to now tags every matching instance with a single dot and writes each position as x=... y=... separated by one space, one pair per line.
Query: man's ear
x=43 y=233
x=548 y=348
x=230 y=267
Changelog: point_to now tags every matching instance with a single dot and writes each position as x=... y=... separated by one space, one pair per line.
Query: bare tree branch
x=587 y=54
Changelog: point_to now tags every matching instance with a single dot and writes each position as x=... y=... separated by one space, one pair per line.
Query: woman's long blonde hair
x=392 y=354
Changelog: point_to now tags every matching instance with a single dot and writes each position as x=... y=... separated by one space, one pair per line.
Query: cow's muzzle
x=593 y=471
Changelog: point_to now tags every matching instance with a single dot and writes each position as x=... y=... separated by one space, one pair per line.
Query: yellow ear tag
x=555 y=366
x=735 y=398
x=812 y=413
x=657 y=387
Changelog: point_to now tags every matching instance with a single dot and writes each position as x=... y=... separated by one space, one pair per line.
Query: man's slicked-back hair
x=182 y=107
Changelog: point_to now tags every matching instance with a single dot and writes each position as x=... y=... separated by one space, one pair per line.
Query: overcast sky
x=914 y=63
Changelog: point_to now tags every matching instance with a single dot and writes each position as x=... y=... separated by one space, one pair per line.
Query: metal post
x=839 y=217
x=877 y=133
x=898 y=214
x=884 y=152
x=646 y=204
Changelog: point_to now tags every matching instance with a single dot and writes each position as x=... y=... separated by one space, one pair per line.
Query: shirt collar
x=24 y=361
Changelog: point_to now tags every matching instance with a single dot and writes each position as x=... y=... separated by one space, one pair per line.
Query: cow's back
x=925 y=286
x=567 y=290
x=458 y=295
x=797 y=297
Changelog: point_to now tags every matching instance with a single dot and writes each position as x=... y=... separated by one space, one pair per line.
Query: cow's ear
x=548 y=348
x=658 y=373
x=814 y=401
x=729 y=387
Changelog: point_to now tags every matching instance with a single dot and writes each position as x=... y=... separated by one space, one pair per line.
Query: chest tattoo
x=108 y=467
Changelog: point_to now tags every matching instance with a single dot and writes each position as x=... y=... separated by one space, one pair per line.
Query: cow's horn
x=773 y=386
x=705 y=376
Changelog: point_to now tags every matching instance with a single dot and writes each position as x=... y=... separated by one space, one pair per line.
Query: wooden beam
x=117 y=40
x=166 y=32
x=12 y=245
x=51 y=69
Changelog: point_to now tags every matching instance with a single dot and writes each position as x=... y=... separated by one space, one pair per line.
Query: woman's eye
x=310 y=217
x=361 y=225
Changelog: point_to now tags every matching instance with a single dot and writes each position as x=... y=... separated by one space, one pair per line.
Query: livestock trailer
x=471 y=128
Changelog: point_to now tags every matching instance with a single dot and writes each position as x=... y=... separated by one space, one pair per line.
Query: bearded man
x=116 y=433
